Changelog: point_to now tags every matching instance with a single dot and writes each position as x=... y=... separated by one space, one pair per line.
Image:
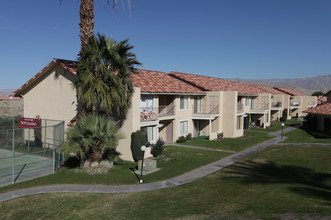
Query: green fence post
x=13 y=149
x=44 y=145
x=54 y=148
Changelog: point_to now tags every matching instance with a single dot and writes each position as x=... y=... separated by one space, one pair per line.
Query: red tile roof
x=290 y=91
x=160 y=82
x=148 y=81
x=217 y=84
x=324 y=109
x=270 y=90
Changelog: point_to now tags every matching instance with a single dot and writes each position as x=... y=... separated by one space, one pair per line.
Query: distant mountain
x=6 y=91
x=305 y=85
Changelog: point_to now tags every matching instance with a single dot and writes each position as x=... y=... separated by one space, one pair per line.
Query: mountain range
x=305 y=85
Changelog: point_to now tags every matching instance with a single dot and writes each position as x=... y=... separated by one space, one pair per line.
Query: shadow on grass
x=314 y=184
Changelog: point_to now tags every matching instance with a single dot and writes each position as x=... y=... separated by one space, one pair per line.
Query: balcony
x=206 y=109
x=148 y=114
x=240 y=107
x=276 y=105
x=295 y=104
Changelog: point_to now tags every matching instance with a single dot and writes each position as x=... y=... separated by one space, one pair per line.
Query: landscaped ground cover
x=280 y=182
x=302 y=136
x=174 y=162
x=277 y=125
x=234 y=144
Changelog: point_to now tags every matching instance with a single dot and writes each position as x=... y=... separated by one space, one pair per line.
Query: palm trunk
x=86 y=23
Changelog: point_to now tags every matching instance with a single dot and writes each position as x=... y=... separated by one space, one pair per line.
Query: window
x=147 y=102
x=197 y=104
x=252 y=104
x=238 y=122
x=246 y=101
x=150 y=133
x=183 y=102
x=183 y=128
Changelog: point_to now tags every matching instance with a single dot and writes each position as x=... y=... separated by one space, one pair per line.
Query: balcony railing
x=206 y=109
x=240 y=107
x=154 y=113
x=276 y=105
x=260 y=107
x=293 y=104
x=166 y=110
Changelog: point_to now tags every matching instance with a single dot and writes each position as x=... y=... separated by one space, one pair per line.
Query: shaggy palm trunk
x=86 y=23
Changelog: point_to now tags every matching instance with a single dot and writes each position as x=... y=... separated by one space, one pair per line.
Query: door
x=196 y=131
x=169 y=132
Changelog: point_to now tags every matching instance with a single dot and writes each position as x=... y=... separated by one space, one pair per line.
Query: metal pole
x=143 y=148
x=13 y=149
x=282 y=132
x=29 y=142
x=54 y=149
x=44 y=144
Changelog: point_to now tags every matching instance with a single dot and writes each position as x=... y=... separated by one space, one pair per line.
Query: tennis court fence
x=26 y=153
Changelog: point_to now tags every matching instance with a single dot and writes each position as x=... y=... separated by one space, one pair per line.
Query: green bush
x=188 y=136
x=181 y=139
x=157 y=149
x=282 y=118
x=93 y=138
x=138 y=139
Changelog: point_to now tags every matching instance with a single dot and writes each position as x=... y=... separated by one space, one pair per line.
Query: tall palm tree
x=104 y=83
x=86 y=22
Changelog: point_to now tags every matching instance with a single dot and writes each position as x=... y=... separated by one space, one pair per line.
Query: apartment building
x=319 y=117
x=164 y=105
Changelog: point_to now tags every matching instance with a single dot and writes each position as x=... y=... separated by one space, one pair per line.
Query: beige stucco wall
x=229 y=115
x=53 y=97
x=131 y=124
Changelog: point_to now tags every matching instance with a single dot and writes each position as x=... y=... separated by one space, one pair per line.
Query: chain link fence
x=26 y=153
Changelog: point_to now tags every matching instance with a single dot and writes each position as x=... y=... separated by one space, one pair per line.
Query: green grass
x=281 y=182
x=234 y=144
x=277 y=125
x=174 y=162
x=302 y=136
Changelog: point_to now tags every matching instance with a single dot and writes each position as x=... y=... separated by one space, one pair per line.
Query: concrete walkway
x=176 y=181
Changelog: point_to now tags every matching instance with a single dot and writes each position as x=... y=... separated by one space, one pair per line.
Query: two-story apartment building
x=319 y=117
x=253 y=104
x=162 y=105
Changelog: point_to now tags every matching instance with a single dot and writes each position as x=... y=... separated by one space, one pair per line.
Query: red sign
x=29 y=122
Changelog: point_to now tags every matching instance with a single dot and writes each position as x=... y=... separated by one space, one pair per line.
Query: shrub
x=157 y=149
x=181 y=139
x=282 y=118
x=220 y=136
x=188 y=136
x=93 y=138
x=138 y=139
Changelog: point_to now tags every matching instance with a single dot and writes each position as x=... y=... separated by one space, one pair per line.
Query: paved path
x=176 y=181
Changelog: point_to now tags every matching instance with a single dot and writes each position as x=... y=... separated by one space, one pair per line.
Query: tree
x=86 y=21
x=318 y=93
x=94 y=137
x=104 y=84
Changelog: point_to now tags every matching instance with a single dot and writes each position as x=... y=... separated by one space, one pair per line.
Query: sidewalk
x=176 y=181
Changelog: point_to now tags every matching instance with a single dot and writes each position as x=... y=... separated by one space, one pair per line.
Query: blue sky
x=223 y=38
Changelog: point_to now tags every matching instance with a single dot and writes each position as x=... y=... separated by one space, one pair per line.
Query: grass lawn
x=277 y=125
x=280 y=182
x=302 y=136
x=234 y=144
x=174 y=162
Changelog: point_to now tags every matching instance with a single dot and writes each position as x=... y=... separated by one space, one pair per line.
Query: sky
x=248 y=39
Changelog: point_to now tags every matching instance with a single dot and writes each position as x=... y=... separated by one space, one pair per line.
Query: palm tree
x=86 y=14
x=104 y=84
x=94 y=137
